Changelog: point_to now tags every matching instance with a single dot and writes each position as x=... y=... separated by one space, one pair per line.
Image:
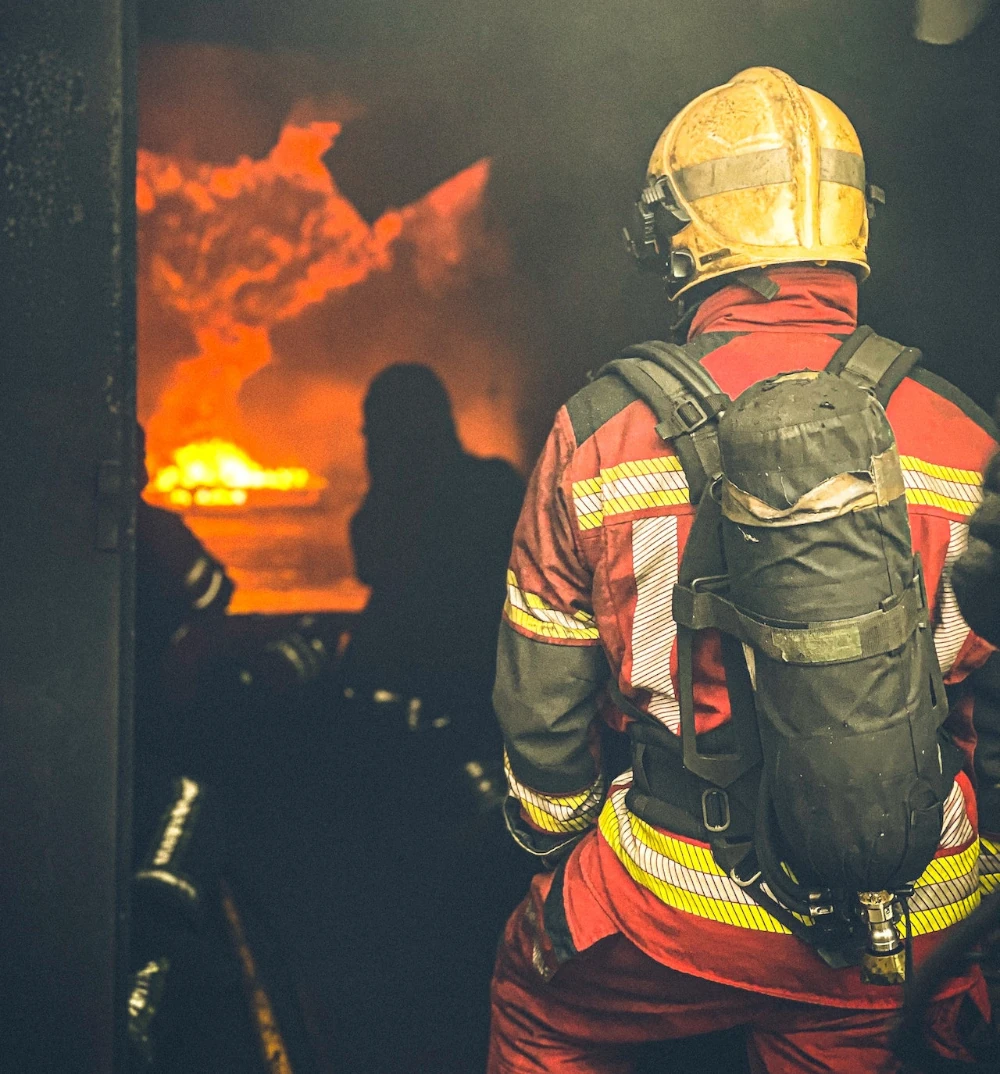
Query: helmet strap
x=686 y=306
x=684 y=313
x=758 y=280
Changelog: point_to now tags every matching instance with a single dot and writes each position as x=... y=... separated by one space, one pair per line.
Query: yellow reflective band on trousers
x=531 y=613
x=557 y=813
x=685 y=876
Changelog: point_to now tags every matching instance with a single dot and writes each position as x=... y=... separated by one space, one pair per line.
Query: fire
x=216 y=473
x=241 y=263
x=236 y=251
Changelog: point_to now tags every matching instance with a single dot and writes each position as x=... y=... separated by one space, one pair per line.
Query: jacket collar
x=809 y=299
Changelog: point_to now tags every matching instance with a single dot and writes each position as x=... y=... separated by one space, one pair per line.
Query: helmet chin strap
x=758 y=280
x=684 y=315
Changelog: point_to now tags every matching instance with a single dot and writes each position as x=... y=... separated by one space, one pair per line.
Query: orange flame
x=227 y=256
x=238 y=250
x=215 y=473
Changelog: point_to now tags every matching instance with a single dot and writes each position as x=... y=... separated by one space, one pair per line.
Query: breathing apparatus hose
x=949 y=958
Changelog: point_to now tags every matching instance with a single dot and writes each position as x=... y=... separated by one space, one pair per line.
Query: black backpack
x=831 y=776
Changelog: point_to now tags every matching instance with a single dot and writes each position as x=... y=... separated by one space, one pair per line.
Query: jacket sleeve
x=972 y=582
x=550 y=665
x=193 y=581
x=976 y=575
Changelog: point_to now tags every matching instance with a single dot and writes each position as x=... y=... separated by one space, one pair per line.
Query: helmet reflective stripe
x=764 y=168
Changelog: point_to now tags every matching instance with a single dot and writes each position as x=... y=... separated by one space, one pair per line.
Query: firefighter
x=756 y=214
x=182 y=593
x=431 y=540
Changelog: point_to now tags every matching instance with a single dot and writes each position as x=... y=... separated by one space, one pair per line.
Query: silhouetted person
x=431 y=540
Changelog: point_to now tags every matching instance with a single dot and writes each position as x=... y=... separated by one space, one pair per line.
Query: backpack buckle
x=691 y=414
x=715 y=809
x=744 y=882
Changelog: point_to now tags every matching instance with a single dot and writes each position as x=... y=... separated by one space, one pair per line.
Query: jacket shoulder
x=596 y=404
x=946 y=390
x=606 y=396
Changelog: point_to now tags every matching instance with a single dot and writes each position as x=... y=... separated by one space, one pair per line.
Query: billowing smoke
x=267 y=304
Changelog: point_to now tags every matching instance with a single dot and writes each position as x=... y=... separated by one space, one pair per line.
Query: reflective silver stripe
x=842 y=166
x=764 y=168
x=199 y=568
x=655 y=561
x=950 y=629
x=211 y=593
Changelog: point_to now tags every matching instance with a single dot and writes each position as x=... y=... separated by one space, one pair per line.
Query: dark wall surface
x=67 y=152
x=569 y=98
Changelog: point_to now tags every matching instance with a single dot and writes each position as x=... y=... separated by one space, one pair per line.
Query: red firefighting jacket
x=595 y=558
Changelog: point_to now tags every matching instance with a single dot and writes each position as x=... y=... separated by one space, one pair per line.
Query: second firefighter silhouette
x=431 y=539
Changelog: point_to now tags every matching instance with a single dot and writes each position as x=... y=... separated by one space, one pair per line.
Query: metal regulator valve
x=883 y=961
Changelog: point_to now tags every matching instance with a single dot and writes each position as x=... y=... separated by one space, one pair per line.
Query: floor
x=372 y=881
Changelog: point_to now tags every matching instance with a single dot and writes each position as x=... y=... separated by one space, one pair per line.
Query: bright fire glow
x=243 y=271
x=215 y=473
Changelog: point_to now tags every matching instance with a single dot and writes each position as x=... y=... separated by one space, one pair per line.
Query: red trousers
x=612 y=995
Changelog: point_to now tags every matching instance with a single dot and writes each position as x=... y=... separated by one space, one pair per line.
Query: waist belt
x=666 y=794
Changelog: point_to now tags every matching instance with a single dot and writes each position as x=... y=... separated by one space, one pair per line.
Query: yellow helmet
x=758 y=172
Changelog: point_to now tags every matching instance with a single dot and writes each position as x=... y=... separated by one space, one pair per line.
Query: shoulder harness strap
x=686 y=402
x=871 y=362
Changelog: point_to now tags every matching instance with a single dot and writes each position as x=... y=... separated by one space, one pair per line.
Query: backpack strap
x=686 y=402
x=872 y=362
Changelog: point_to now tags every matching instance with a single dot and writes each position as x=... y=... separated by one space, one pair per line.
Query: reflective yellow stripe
x=636 y=485
x=635 y=468
x=557 y=812
x=538 y=617
x=548 y=630
x=924 y=921
x=950 y=867
x=687 y=854
x=588 y=487
x=642 y=484
x=743 y=915
x=946 y=503
x=943 y=473
x=989 y=866
x=640 y=501
x=541 y=819
x=947 y=487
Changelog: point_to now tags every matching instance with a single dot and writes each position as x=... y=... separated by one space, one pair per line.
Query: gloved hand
x=976 y=574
